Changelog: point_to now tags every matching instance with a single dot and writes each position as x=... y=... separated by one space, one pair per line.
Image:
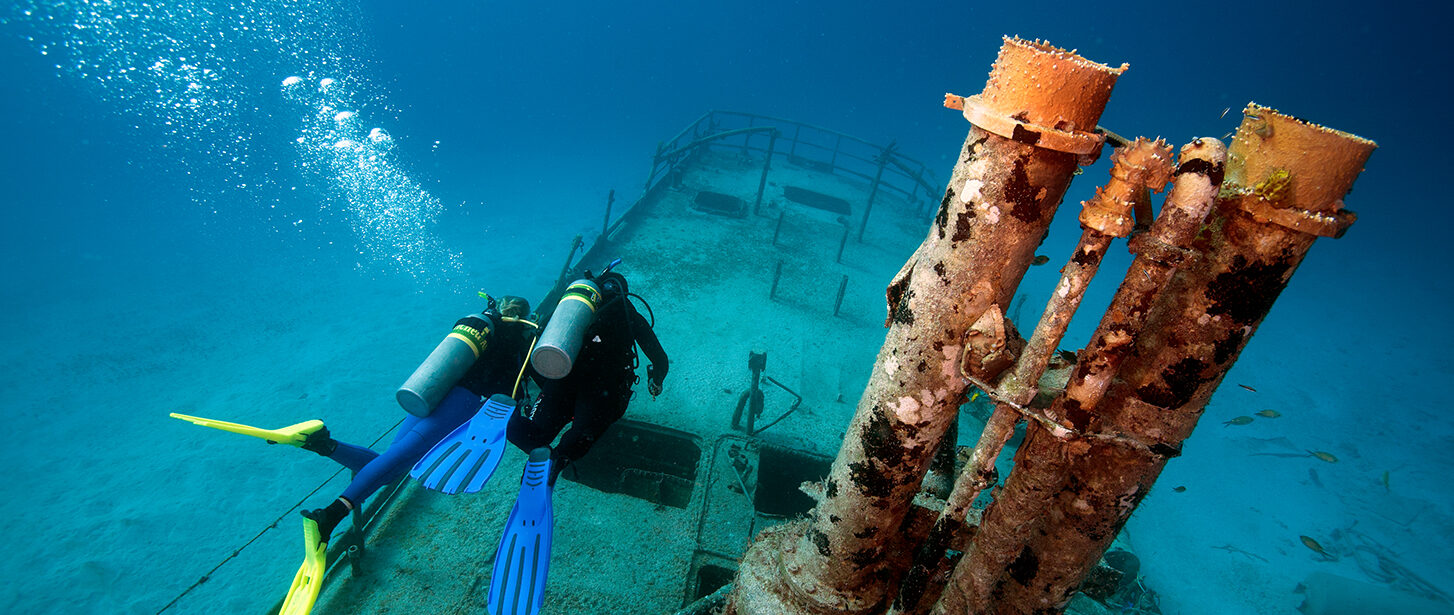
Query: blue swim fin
x=465 y=459
x=522 y=562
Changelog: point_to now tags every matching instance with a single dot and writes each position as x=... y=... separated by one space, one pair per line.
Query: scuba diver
x=585 y=364
x=501 y=334
x=597 y=386
x=483 y=356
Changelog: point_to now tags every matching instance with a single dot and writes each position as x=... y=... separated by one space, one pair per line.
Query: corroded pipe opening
x=1320 y=163
x=1049 y=85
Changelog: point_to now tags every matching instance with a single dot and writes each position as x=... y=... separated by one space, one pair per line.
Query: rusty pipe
x=1001 y=196
x=1283 y=189
x=1140 y=165
x=1159 y=252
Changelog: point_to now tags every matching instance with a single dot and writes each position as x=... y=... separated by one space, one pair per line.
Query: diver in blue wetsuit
x=483 y=356
x=494 y=372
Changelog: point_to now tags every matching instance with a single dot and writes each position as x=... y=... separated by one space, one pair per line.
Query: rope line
x=270 y=527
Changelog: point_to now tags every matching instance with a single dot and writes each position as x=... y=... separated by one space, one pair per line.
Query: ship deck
x=658 y=513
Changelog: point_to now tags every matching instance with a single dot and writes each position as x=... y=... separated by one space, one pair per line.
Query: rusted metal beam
x=1004 y=191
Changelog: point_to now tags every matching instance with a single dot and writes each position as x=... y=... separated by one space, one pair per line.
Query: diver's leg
x=594 y=414
x=540 y=423
x=411 y=445
x=408 y=447
x=353 y=456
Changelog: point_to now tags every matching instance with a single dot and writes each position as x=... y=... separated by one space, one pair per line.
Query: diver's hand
x=653 y=382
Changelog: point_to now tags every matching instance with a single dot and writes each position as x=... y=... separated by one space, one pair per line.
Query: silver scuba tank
x=433 y=379
x=555 y=353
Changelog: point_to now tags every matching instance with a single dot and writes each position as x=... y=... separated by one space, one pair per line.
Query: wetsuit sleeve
x=646 y=339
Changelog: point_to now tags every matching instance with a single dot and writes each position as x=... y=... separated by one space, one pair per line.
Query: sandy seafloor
x=111 y=507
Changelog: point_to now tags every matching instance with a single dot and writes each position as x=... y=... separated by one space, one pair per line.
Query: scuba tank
x=563 y=335
x=449 y=362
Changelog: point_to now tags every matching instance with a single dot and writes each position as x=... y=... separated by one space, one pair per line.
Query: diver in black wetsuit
x=595 y=393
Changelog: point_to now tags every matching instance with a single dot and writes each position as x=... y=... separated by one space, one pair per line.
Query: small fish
x=1178 y=488
x=975 y=395
x=1241 y=420
x=1269 y=414
x=1328 y=457
x=1385 y=481
x=1040 y=260
x=1247 y=387
x=1317 y=548
x=1224 y=112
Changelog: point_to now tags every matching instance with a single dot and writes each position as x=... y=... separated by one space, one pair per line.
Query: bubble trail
x=198 y=72
x=392 y=215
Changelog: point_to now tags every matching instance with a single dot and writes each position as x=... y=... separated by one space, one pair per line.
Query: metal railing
x=882 y=167
x=810 y=145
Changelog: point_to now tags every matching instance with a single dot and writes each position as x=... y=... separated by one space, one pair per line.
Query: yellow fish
x=1241 y=420
x=1317 y=548
x=1269 y=414
x=1328 y=457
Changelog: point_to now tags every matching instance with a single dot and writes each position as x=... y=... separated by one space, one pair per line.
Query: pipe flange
x=1086 y=144
x=1107 y=215
x=1301 y=220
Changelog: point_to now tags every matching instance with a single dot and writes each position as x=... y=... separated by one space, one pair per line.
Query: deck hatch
x=780 y=471
x=720 y=204
x=817 y=200
x=643 y=461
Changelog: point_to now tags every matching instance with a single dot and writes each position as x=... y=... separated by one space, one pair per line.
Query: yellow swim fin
x=309 y=579
x=292 y=435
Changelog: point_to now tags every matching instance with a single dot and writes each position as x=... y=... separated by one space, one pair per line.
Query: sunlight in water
x=200 y=75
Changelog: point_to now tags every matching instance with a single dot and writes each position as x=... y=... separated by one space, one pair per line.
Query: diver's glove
x=653 y=381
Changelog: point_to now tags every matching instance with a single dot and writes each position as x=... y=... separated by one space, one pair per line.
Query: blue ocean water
x=174 y=211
